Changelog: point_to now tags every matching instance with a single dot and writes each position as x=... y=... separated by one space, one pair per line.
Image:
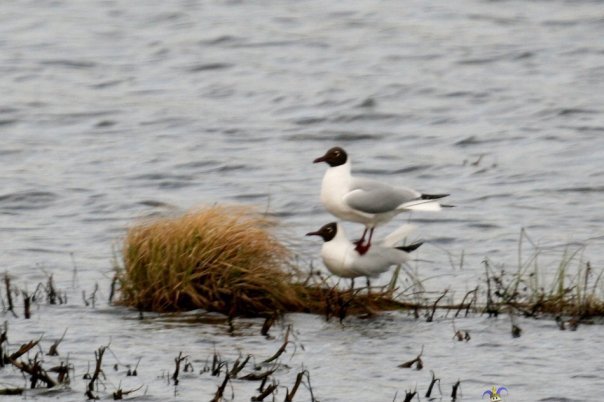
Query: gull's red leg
x=363 y=248
x=362 y=239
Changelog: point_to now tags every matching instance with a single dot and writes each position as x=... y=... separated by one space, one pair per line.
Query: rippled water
x=115 y=110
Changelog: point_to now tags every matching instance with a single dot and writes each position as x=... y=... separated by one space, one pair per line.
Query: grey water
x=115 y=110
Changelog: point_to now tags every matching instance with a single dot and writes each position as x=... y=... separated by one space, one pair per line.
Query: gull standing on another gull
x=342 y=259
x=366 y=201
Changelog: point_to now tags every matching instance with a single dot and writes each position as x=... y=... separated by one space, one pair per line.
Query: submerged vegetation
x=99 y=380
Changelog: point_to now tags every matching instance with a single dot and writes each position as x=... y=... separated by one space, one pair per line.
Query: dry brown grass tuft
x=218 y=258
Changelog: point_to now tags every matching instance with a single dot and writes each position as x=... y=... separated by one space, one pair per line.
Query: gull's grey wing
x=374 y=197
x=371 y=265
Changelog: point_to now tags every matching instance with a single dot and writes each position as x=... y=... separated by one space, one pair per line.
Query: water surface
x=111 y=111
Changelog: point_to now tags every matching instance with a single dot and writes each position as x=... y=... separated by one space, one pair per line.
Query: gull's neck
x=336 y=184
x=337 y=177
x=340 y=236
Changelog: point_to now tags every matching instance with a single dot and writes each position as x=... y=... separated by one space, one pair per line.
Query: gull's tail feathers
x=421 y=205
x=398 y=235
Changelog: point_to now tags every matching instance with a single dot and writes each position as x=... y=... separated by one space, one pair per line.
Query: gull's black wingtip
x=433 y=196
x=411 y=247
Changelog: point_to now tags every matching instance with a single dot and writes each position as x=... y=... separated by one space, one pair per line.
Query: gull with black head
x=366 y=201
x=342 y=259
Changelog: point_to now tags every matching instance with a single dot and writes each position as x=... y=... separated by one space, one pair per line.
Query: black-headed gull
x=364 y=200
x=342 y=259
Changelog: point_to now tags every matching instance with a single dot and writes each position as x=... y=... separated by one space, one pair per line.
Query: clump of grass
x=573 y=289
x=219 y=258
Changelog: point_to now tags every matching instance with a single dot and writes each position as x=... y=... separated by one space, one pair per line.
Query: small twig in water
x=3 y=338
x=460 y=334
x=431 y=316
x=119 y=394
x=309 y=386
x=268 y=323
x=417 y=361
x=9 y=296
x=237 y=366
x=289 y=395
x=221 y=388
x=24 y=349
x=51 y=293
x=454 y=391
x=258 y=376
x=281 y=349
x=26 y=305
x=409 y=395
x=112 y=288
x=516 y=330
x=53 y=348
x=63 y=373
x=461 y=305
x=34 y=369
x=93 y=295
x=133 y=373
x=217 y=365
x=490 y=307
x=431 y=386
x=267 y=391
x=98 y=355
x=179 y=359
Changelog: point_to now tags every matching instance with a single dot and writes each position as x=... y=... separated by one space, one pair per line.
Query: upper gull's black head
x=335 y=156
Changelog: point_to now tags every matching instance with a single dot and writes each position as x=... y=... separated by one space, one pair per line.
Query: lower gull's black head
x=335 y=156
x=327 y=232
